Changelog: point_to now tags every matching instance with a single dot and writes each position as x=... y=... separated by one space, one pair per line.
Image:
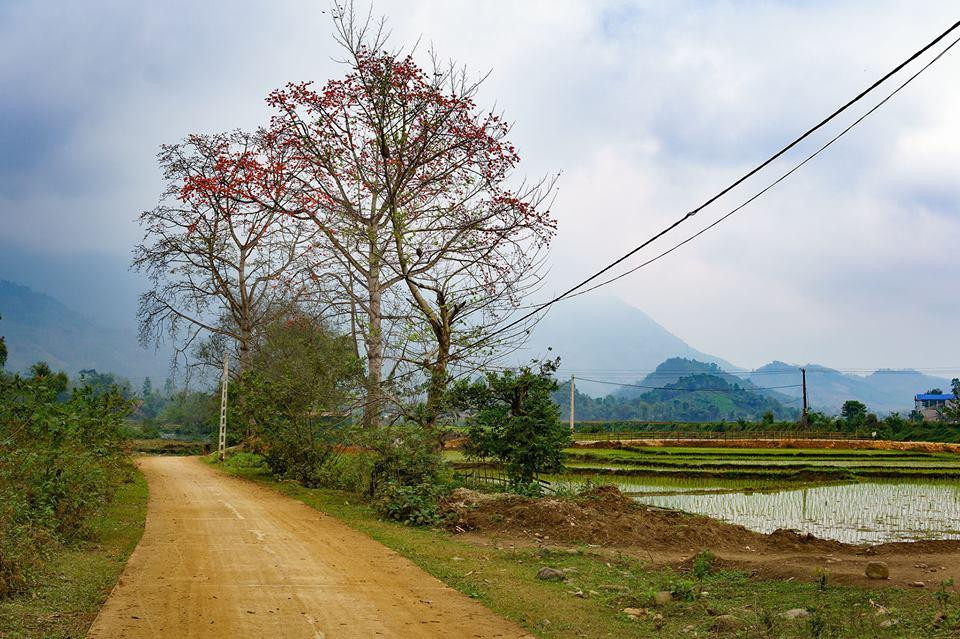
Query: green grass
x=77 y=580
x=503 y=578
x=812 y=465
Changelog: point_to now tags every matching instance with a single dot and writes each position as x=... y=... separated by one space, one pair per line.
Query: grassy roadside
x=79 y=579
x=601 y=584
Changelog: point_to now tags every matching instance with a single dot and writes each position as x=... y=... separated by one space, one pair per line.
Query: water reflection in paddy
x=852 y=513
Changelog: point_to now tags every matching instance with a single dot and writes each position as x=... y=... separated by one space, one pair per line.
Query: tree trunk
x=374 y=342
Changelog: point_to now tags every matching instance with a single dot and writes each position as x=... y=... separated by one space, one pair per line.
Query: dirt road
x=221 y=557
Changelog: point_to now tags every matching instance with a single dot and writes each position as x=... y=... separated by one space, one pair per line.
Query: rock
x=726 y=622
x=795 y=613
x=917 y=584
x=633 y=613
x=663 y=597
x=550 y=574
x=921 y=566
x=877 y=570
x=579 y=594
x=888 y=623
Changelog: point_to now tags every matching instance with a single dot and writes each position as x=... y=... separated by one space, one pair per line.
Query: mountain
x=672 y=370
x=882 y=391
x=605 y=334
x=38 y=327
x=721 y=397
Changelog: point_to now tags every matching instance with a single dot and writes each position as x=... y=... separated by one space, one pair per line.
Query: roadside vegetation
x=77 y=578
x=71 y=504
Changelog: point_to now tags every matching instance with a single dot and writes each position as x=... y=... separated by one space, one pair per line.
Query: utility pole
x=572 y=385
x=222 y=448
x=803 y=372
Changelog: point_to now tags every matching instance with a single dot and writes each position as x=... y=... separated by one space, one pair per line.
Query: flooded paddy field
x=853 y=496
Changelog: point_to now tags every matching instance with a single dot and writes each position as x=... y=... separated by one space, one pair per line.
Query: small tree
x=854 y=412
x=300 y=380
x=515 y=421
x=951 y=410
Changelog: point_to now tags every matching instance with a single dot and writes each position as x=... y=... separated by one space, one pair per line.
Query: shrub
x=60 y=461
x=350 y=471
x=416 y=504
x=299 y=450
x=407 y=477
x=245 y=461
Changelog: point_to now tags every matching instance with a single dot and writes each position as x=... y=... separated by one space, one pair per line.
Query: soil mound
x=603 y=516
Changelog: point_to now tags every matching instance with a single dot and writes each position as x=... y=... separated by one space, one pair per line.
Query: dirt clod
x=877 y=570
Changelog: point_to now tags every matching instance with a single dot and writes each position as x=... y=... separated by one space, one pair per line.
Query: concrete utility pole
x=222 y=448
x=572 y=386
x=803 y=372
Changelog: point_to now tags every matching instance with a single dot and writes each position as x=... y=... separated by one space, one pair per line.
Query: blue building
x=930 y=404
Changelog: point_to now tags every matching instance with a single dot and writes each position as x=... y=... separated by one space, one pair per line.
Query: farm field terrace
x=854 y=496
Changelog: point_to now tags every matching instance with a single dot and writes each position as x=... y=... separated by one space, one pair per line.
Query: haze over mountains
x=596 y=337
x=38 y=327
x=603 y=338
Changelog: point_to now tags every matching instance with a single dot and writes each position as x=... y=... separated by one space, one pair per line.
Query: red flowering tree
x=408 y=183
x=222 y=259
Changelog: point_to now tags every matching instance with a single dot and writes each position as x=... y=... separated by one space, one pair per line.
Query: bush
x=417 y=505
x=299 y=450
x=61 y=459
x=245 y=461
x=350 y=471
x=407 y=477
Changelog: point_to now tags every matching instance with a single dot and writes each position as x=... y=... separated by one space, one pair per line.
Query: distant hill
x=37 y=327
x=695 y=397
x=883 y=391
x=672 y=370
x=603 y=333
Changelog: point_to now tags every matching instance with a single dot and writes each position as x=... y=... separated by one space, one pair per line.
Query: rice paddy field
x=853 y=496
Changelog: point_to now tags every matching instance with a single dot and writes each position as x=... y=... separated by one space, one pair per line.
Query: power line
x=772 y=184
x=744 y=177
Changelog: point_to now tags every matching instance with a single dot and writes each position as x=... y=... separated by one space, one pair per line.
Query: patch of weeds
x=703 y=564
x=821 y=579
x=683 y=590
x=942 y=596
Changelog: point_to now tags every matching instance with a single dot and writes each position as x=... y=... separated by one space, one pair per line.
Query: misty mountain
x=720 y=397
x=882 y=391
x=38 y=327
x=604 y=334
x=674 y=369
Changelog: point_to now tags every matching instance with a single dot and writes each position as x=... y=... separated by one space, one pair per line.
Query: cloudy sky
x=646 y=107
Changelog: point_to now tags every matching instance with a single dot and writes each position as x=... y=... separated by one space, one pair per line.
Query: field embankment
x=77 y=579
x=625 y=441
